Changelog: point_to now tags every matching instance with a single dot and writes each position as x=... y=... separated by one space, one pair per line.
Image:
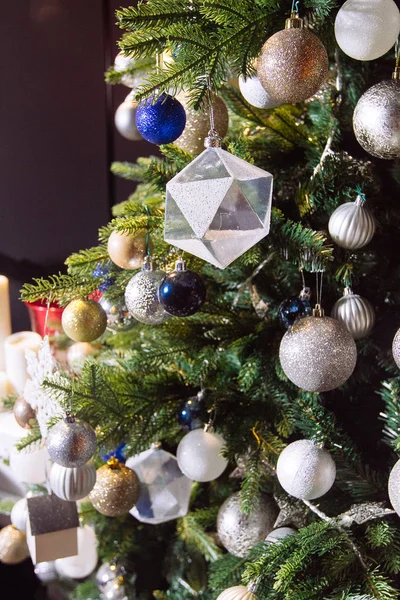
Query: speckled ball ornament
x=161 y=121
x=255 y=94
x=318 y=353
x=72 y=484
x=141 y=296
x=351 y=225
x=199 y=455
x=356 y=313
x=305 y=470
x=198 y=124
x=293 y=63
x=118 y=316
x=376 y=119
x=394 y=487
x=116 y=490
x=24 y=413
x=71 y=442
x=396 y=348
x=13 y=546
x=125 y=119
x=182 y=292
x=239 y=532
x=84 y=320
x=279 y=534
x=126 y=250
x=237 y=592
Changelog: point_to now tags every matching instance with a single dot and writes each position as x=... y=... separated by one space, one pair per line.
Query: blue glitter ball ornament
x=102 y=270
x=293 y=308
x=192 y=413
x=161 y=122
x=118 y=453
x=182 y=293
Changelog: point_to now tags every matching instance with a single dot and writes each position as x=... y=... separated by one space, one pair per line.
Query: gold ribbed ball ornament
x=24 y=413
x=116 y=490
x=13 y=546
x=126 y=250
x=84 y=320
x=198 y=124
x=293 y=63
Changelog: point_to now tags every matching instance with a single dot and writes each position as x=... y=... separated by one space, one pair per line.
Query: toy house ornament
x=218 y=206
x=52 y=528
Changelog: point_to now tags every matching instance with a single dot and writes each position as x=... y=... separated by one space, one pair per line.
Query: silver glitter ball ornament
x=396 y=348
x=318 y=354
x=141 y=296
x=108 y=572
x=394 y=487
x=71 y=442
x=118 y=317
x=125 y=119
x=239 y=532
x=356 y=313
x=305 y=470
x=351 y=225
x=376 y=120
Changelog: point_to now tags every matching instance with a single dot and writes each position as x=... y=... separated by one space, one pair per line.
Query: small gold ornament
x=24 y=413
x=126 y=250
x=84 y=320
x=13 y=546
x=293 y=63
x=198 y=124
x=116 y=490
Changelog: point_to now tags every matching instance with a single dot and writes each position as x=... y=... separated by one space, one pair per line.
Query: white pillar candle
x=6 y=387
x=15 y=346
x=5 y=317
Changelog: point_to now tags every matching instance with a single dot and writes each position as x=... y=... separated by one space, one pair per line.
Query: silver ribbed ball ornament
x=71 y=442
x=318 y=353
x=356 y=313
x=125 y=119
x=305 y=470
x=396 y=348
x=239 y=532
x=376 y=120
x=118 y=317
x=238 y=592
x=351 y=225
x=141 y=296
x=72 y=484
x=394 y=487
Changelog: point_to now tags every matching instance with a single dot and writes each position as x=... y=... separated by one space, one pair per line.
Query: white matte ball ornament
x=237 y=592
x=131 y=80
x=30 y=466
x=277 y=535
x=351 y=225
x=396 y=348
x=367 y=29
x=125 y=119
x=199 y=457
x=72 y=484
x=305 y=470
x=252 y=91
x=394 y=487
x=84 y=563
x=19 y=514
x=356 y=313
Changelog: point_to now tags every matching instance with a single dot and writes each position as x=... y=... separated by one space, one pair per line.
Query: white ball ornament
x=84 y=563
x=122 y=63
x=277 y=535
x=396 y=348
x=252 y=91
x=237 y=592
x=72 y=484
x=199 y=457
x=366 y=30
x=125 y=119
x=30 y=466
x=19 y=514
x=351 y=225
x=305 y=470
x=394 y=487
x=356 y=313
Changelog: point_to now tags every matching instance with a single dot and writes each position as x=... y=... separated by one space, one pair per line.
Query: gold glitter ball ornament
x=24 y=413
x=13 y=546
x=84 y=320
x=318 y=354
x=198 y=124
x=293 y=63
x=116 y=490
x=126 y=250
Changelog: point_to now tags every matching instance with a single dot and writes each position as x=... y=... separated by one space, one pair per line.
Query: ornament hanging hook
x=147 y=238
x=396 y=72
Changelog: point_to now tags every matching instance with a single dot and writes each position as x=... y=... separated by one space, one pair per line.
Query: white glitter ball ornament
x=72 y=484
x=84 y=563
x=218 y=206
x=356 y=313
x=305 y=470
x=141 y=296
x=396 y=348
x=252 y=91
x=351 y=225
x=367 y=29
x=19 y=514
x=277 y=535
x=318 y=354
x=394 y=487
x=237 y=592
x=199 y=455
x=164 y=490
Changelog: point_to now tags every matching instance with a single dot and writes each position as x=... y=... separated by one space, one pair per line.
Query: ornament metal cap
x=113 y=463
x=305 y=293
x=69 y=418
x=180 y=264
x=318 y=311
x=156 y=446
x=148 y=264
x=348 y=291
x=396 y=73
x=360 y=200
x=294 y=21
x=213 y=140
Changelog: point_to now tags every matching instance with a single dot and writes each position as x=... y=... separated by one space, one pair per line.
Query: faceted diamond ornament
x=218 y=207
x=164 y=489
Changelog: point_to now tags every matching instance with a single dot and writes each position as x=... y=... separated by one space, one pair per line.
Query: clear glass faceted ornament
x=218 y=207
x=164 y=489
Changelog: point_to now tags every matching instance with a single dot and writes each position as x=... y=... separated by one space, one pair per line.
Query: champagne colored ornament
x=293 y=63
x=141 y=295
x=72 y=484
x=118 y=317
x=24 y=413
x=130 y=80
x=198 y=124
x=84 y=320
x=182 y=292
x=218 y=206
x=376 y=119
x=356 y=313
x=252 y=91
x=238 y=592
x=78 y=353
x=396 y=348
x=351 y=225
x=305 y=470
x=394 y=487
x=160 y=121
x=125 y=119
x=126 y=250
x=279 y=534
x=19 y=514
x=199 y=455
x=239 y=532
x=84 y=563
x=116 y=490
x=367 y=30
x=318 y=353
x=13 y=547
x=71 y=442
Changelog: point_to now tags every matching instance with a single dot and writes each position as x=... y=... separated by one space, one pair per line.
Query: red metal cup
x=37 y=314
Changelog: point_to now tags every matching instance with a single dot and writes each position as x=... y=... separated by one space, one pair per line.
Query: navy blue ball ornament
x=100 y=272
x=118 y=453
x=294 y=308
x=182 y=292
x=162 y=121
x=192 y=413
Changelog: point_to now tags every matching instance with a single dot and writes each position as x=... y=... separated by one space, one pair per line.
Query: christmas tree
x=301 y=422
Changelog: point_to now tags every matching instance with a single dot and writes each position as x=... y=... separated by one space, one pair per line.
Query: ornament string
x=295 y=6
x=318 y=287
x=147 y=238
